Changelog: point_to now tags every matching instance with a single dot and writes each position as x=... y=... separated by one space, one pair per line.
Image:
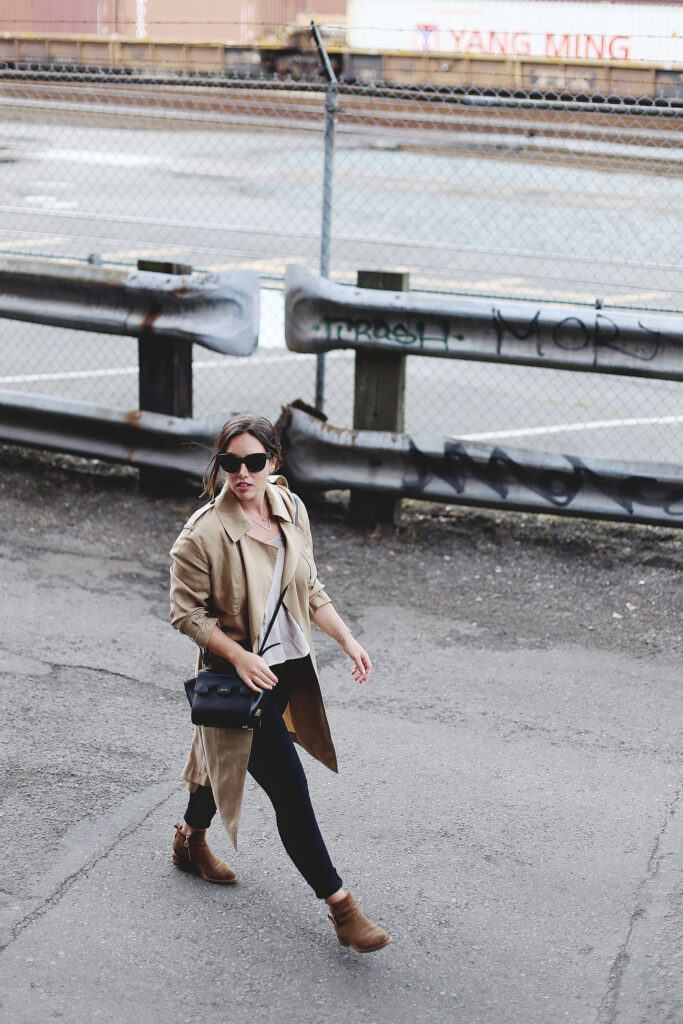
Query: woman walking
x=231 y=562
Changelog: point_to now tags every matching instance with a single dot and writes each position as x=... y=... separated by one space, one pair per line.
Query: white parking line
x=124 y=371
x=124 y=218
x=285 y=357
x=38 y=378
x=562 y=428
x=30 y=242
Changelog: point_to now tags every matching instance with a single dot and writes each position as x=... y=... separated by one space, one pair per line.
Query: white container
x=530 y=28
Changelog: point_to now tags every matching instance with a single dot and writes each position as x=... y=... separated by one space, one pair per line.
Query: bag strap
x=272 y=620
x=282 y=595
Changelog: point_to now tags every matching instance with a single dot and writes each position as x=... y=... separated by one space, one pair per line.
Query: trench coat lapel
x=295 y=543
x=235 y=520
x=295 y=540
x=237 y=524
x=255 y=561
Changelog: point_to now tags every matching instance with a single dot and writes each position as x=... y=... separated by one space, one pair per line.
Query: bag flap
x=221 y=681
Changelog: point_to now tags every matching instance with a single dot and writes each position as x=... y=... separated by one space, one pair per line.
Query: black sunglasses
x=254 y=463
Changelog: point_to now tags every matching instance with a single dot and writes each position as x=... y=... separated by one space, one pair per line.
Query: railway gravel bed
x=641 y=140
x=427 y=113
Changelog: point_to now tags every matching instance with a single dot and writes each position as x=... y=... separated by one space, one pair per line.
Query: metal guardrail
x=168 y=308
x=217 y=310
x=321 y=457
x=148 y=440
x=384 y=326
x=322 y=315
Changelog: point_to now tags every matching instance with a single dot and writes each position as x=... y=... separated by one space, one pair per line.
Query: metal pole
x=331 y=104
x=331 y=107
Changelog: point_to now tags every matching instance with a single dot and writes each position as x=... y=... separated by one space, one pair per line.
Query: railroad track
x=435 y=117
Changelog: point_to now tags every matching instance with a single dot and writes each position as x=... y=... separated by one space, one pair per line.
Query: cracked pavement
x=509 y=803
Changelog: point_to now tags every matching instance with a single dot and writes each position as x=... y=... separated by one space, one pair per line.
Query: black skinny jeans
x=275 y=765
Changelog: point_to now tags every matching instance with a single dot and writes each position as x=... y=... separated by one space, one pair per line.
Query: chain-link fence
x=473 y=193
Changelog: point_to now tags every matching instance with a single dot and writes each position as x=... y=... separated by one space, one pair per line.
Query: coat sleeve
x=191 y=610
x=317 y=595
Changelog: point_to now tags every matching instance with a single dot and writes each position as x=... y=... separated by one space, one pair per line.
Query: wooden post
x=165 y=381
x=379 y=400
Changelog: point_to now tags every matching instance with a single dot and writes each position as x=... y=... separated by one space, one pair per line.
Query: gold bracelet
x=343 y=633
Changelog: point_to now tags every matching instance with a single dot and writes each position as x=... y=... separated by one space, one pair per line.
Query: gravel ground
x=507 y=578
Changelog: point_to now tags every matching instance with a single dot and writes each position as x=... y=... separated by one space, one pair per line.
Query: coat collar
x=235 y=520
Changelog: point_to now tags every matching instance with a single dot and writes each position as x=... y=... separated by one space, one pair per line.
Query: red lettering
x=457 y=39
x=555 y=48
x=498 y=42
x=521 y=43
x=597 y=44
x=476 y=43
x=583 y=47
x=619 y=47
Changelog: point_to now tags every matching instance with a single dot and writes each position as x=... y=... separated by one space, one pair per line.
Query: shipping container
x=65 y=15
x=47 y=17
x=231 y=21
x=227 y=21
x=16 y=16
x=529 y=28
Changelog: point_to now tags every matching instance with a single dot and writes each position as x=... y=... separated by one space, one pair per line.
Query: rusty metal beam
x=321 y=315
x=321 y=457
x=147 y=440
x=217 y=310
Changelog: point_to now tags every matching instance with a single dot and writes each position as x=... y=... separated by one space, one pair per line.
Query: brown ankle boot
x=353 y=928
x=192 y=853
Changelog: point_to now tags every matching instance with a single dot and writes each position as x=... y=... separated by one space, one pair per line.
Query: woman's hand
x=362 y=666
x=253 y=670
x=327 y=619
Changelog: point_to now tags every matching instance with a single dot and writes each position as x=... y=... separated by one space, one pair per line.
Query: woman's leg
x=191 y=852
x=201 y=808
x=275 y=765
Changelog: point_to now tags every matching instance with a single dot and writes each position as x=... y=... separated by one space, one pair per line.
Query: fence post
x=331 y=107
x=164 y=382
x=379 y=400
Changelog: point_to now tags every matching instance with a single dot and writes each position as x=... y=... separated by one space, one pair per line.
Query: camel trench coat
x=221 y=576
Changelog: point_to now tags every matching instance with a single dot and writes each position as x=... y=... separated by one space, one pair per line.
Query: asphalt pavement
x=508 y=804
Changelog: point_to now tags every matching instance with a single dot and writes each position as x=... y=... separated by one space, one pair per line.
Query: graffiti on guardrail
x=320 y=456
x=571 y=334
x=321 y=316
x=344 y=329
x=575 y=334
x=501 y=474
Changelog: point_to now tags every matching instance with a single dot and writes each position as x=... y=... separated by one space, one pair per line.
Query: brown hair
x=259 y=427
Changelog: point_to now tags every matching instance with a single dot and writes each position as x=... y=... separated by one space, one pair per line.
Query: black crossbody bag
x=223 y=700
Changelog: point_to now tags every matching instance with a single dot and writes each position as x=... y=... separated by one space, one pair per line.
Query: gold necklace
x=262 y=521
